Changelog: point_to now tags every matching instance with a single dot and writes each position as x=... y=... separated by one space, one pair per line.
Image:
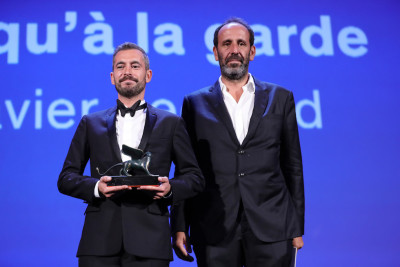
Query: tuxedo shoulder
x=161 y=113
x=101 y=113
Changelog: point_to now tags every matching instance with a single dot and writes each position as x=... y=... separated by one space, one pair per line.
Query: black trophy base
x=134 y=181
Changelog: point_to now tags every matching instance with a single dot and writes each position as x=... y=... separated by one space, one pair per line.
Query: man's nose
x=235 y=49
x=128 y=70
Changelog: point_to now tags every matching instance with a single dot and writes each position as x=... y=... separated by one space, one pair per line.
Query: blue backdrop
x=340 y=58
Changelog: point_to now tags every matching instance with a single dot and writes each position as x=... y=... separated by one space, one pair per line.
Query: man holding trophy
x=130 y=145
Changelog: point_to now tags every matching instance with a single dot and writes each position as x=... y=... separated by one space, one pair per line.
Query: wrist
x=168 y=195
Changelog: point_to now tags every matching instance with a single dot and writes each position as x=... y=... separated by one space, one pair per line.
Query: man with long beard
x=125 y=226
x=245 y=136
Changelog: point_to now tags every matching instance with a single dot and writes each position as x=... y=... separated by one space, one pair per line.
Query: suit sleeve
x=291 y=160
x=71 y=181
x=188 y=117
x=179 y=222
x=188 y=180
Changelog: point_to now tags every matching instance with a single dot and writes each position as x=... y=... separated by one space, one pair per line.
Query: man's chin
x=234 y=74
x=126 y=92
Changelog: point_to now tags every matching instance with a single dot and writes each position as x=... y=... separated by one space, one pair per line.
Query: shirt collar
x=249 y=86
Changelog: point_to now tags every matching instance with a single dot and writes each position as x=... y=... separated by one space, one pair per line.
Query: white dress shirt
x=129 y=132
x=240 y=112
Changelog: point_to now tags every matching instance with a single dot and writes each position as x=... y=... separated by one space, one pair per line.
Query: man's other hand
x=163 y=189
x=108 y=191
x=298 y=242
x=182 y=246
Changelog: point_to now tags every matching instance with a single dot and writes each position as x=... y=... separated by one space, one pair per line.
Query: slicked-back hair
x=234 y=20
x=129 y=46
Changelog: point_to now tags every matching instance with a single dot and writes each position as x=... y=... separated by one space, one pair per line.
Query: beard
x=130 y=91
x=236 y=71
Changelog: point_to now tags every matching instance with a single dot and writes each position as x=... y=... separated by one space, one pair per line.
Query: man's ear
x=215 y=53
x=149 y=75
x=112 y=78
x=252 y=52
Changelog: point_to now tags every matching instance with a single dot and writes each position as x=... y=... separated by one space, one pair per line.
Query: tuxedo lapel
x=260 y=105
x=217 y=101
x=151 y=118
x=112 y=133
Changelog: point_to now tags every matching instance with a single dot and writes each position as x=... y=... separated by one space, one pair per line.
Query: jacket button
x=241 y=174
x=241 y=152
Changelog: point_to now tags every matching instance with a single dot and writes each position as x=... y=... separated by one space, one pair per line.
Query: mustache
x=128 y=78
x=234 y=57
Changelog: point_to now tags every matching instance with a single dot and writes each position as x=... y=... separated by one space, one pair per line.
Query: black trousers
x=242 y=248
x=122 y=260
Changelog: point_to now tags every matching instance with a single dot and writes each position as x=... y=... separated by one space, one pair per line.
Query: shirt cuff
x=168 y=195
x=96 y=190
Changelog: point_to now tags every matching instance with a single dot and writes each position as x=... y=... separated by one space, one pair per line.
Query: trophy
x=134 y=172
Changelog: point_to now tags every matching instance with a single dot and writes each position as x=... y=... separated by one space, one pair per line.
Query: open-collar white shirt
x=240 y=112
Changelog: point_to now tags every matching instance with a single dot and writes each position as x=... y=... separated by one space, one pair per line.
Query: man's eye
x=135 y=66
x=120 y=67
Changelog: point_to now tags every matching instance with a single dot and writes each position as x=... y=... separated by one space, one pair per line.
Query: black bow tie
x=130 y=110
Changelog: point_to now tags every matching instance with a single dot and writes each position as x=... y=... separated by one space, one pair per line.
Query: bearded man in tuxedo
x=127 y=226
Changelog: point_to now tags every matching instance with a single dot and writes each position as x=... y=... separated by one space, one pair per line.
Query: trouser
x=121 y=260
x=243 y=248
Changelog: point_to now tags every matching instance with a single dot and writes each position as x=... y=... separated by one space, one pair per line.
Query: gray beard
x=234 y=73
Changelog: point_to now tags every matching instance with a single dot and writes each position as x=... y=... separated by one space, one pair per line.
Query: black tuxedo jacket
x=264 y=172
x=131 y=219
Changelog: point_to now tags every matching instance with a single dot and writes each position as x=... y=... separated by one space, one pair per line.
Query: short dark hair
x=129 y=46
x=234 y=20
